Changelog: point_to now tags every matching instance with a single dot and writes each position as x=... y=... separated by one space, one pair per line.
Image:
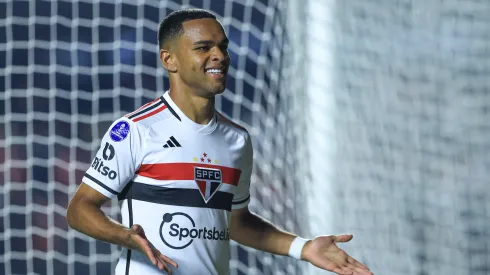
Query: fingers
x=163 y=266
x=334 y=268
x=168 y=260
x=342 y=267
x=359 y=270
x=350 y=269
x=349 y=264
x=342 y=271
x=166 y=268
x=163 y=261
x=159 y=260
x=356 y=263
x=343 y=238
x=148 y=251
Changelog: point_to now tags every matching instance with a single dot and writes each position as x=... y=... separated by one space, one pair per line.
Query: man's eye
x=204 y=48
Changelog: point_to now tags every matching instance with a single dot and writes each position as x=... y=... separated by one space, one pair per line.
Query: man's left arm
x=252 y=230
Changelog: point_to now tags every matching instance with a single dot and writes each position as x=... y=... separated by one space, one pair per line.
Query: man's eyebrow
x=209 y=42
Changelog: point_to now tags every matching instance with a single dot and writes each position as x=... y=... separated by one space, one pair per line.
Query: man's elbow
x=239 y=223
x=71 y=215
x=84 y=204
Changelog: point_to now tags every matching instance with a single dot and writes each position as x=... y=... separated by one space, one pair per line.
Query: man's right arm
x=84 y=214
x=114 y=165
x=112 y=168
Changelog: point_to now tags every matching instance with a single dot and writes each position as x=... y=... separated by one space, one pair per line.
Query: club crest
x=208 y=180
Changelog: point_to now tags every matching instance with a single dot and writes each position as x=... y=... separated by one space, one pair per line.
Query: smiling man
x=182 y=171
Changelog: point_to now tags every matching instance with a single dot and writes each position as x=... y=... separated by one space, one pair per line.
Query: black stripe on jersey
x=242 y=201
x=124 y=193
x=101 y=184
x=128 y=260
x=128 y=193
x=145 y=110
x=170 y=108
x=177 y=196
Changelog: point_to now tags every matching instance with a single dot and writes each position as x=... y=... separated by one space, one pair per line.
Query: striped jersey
x=179 y=180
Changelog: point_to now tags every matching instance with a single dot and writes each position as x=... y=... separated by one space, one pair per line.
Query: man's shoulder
x=145 y=116
x=239 y=129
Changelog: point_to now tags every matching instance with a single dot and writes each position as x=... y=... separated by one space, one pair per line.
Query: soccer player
x=182 y=171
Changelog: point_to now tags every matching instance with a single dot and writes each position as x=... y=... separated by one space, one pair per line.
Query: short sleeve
x=117 y=159
x=242 y=193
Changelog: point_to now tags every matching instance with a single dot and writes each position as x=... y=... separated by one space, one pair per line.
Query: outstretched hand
x=139 y=242
x=323 y=252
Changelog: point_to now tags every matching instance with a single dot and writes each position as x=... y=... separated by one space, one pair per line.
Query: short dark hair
x=171 y=26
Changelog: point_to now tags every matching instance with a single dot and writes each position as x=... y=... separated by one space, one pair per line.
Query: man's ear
x=168 y=60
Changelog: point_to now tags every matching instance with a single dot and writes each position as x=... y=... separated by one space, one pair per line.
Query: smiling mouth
x=215 y=71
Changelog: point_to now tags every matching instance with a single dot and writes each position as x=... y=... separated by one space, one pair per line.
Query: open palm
x=324 y=253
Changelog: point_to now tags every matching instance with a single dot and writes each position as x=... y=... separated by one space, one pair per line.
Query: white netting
x=73 y=67
x=400 y=125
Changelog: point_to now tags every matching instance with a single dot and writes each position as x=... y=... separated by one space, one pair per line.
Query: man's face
x=202 y=54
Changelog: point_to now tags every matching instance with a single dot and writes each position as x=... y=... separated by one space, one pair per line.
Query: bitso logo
x=178 y=230
x=108 y=152
x=98 y=165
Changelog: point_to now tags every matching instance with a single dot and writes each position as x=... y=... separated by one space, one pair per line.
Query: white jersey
x=179 y=180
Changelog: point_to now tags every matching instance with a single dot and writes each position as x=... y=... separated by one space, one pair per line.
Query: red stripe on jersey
x=185 y=171
x=150 y=114
x=142 y=107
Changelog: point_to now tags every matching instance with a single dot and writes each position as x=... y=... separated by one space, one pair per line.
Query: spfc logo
x=208 y=180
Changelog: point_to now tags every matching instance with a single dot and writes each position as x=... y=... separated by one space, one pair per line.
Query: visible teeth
x=215 y=71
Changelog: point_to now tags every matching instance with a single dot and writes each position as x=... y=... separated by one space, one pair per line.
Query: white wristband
x=296 y=247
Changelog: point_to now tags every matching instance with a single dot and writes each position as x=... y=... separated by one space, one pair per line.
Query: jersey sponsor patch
x=120 y=131
x=103 y=169
x=178 y=231
x=108 y=152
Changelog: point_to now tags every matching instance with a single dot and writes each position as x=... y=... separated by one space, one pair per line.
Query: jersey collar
x=174 y=109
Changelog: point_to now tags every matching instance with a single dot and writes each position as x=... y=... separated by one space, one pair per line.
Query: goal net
x=70 y=68
x=385 y=136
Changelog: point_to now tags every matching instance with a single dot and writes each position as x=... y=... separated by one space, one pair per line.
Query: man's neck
x=198 y=109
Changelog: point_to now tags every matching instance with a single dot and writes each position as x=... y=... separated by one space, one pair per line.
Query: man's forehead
x=206 y=28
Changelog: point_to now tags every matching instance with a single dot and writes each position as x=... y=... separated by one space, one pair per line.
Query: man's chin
x=218 y=89
x=210 y=93
x=215 y=93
